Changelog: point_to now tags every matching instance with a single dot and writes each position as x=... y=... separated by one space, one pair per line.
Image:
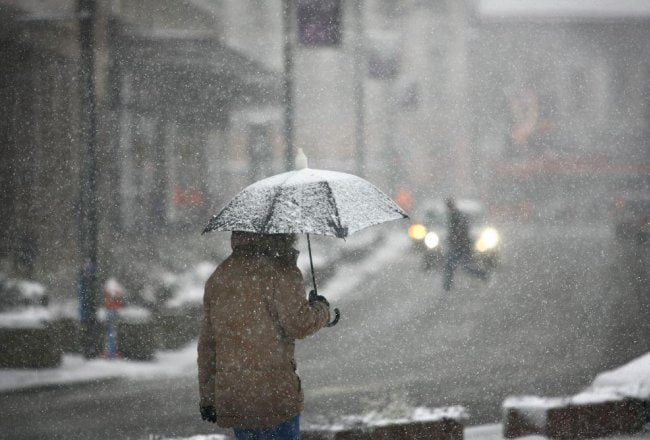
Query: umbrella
x=307 y=201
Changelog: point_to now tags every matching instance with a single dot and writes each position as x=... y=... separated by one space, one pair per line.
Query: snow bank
x=28 y=317
x=129 y=314
x=418 y=414
x=631 y=379
x=65 y=309
x=197 y=437
x=375 y=419
x=75 y=368
x=31 y=289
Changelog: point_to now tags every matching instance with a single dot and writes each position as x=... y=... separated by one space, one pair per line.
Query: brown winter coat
x=254 y=308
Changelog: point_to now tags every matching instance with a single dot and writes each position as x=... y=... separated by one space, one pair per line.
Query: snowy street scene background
x=125 y=126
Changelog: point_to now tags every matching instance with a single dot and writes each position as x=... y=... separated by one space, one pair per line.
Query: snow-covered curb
x=394 y=421
x=33 y=317
x=614 y=403
x=196 y=437
x=77 y=369
x=495 y=432
x=630 y=381
x=375 y=419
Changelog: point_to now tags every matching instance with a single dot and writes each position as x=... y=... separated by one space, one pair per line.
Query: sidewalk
x=484 y=432
x=495 y=432
x=77 y=369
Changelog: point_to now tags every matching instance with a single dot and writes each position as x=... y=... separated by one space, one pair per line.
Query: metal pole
x=311 y=264
x=287 y=14
x=359 y=89
x=89 y=283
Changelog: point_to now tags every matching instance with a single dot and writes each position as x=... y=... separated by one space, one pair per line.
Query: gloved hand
x=314 y=297
x=209 y=414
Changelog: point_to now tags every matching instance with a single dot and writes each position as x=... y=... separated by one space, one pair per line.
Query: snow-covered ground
x=632 y=379
x=75 y=368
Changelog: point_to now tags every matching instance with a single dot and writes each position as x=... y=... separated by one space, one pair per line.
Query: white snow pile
x=630 y=381
x=29 y=289
x=128 y=314
x=65 y=309
x=21 y=304
x=35 y=317
x=394 y=416
x=187 y=287
x=196 y=437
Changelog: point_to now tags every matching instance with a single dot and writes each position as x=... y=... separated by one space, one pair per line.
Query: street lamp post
x=89 y=283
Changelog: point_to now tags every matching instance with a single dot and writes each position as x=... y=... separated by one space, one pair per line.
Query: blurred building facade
x=475 y=98
x=561 y=116
x=168 y=85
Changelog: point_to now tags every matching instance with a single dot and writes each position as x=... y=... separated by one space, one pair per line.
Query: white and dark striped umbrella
x=307 y=201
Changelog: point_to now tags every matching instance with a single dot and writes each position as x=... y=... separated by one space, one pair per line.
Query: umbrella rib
x=340 y=232
x=271 y=211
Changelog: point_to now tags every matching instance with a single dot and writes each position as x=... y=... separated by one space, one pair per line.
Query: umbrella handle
x=337 y=316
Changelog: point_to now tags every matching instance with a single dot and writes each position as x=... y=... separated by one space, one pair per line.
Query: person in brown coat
x=254 y=308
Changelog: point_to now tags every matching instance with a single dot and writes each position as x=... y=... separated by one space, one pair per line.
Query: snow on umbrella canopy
x=307 y=201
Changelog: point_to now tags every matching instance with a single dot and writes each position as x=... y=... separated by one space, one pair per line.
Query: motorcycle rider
x=459 y=246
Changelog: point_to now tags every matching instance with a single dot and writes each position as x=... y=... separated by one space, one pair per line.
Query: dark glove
x=315 y=297
x=209 y=414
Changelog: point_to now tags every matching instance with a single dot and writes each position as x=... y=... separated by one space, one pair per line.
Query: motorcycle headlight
x=431 y=240
x=417 y=231
x=489 y=239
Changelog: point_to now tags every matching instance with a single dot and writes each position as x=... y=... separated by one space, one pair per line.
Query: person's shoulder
x=221 y=270
x=281 y=267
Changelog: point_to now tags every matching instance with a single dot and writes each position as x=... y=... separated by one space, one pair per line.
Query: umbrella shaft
x=311 y=264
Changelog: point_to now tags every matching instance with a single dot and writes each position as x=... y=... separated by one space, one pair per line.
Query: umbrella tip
x=301 y=159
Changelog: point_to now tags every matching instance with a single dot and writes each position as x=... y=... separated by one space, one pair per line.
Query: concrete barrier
x=136 y=336
x=517 y=424
x=595 y=419
x=28 y=348
x=568 y=418
x=67 y=334
x=411 y=424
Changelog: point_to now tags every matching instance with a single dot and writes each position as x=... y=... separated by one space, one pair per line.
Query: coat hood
x=272 y=245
